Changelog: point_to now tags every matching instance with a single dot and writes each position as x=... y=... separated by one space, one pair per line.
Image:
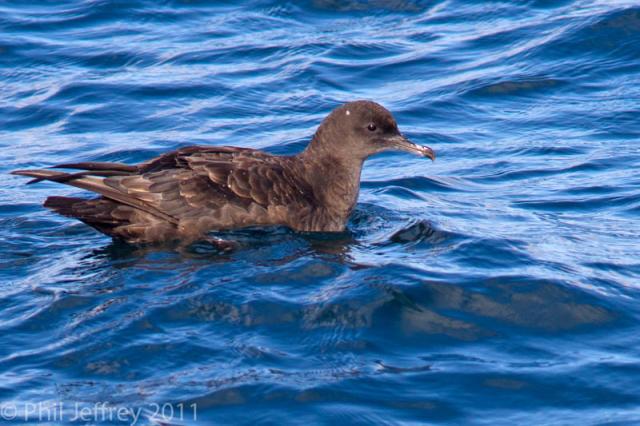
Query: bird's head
x=363 y=128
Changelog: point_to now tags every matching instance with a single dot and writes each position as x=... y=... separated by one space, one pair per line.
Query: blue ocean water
x=498 y=285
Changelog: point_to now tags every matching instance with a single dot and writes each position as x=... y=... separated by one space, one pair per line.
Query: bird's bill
x=401 y=143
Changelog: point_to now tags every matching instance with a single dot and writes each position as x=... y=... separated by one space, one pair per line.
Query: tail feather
x=71 y=176
x=112 y=218
x=40 y=174
x=62 y=205
x=117 y=213
x=98 y=213
x=95 y=185
x=61 y=177
x=99 y=166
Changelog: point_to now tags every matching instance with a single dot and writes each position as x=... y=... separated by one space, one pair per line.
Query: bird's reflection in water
x=325 y=288
x=443 y=309
x=284 y=246
x=470 y=312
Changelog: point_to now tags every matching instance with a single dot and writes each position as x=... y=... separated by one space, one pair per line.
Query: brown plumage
x=185 y=193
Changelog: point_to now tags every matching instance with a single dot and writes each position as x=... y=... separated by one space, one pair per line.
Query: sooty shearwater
x=186 y=193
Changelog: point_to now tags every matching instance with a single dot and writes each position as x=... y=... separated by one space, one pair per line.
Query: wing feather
x=217 y=185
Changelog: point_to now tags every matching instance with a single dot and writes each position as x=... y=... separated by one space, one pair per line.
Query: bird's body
x=186 y=193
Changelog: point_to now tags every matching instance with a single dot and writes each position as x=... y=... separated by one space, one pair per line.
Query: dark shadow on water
x=285 y=244
x=421 y=231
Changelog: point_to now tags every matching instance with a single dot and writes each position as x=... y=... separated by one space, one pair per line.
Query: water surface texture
x=498 y=285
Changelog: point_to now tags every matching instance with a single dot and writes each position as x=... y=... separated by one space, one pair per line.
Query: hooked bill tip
x=428 y=152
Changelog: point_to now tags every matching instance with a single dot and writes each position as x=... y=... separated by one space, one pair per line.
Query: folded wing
x=190 y=190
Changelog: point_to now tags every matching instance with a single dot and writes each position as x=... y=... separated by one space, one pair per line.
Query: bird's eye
x=372 y=127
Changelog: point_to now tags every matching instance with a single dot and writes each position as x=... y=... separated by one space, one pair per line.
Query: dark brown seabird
x=183 y=194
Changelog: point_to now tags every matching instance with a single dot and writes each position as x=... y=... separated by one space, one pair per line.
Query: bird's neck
x=335 y=180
